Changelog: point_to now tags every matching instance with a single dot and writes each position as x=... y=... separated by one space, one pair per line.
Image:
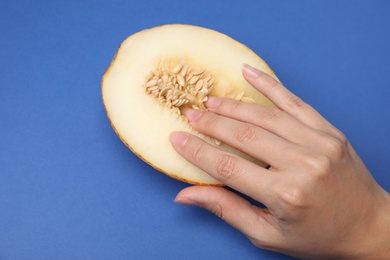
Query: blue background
x=69 y=189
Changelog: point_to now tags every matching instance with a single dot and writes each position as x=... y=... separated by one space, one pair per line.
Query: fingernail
x=213 y=102
x=186 y=201
x=250 y=71
x=179 y=139
x=193 y=114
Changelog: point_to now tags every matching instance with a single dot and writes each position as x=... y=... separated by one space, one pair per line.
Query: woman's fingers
x=285 y=100
x=271 y=119
x=254 y=222
x=234 y=171
x=248 y=138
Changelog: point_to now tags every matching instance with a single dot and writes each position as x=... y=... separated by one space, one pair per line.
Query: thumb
x=252 y=221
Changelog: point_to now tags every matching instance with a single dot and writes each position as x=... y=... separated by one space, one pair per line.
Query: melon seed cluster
x=180 y=87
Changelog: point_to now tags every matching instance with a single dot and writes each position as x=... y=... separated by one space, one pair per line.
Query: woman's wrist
x=376 y=242
x=382 y=240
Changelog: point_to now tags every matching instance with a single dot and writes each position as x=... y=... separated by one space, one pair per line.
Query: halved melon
x=158 y=73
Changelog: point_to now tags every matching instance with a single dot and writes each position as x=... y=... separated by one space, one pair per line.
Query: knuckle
x=272 y=83
x=196 y=151
x=336 y=147
x=245 y=133
x=269 y=114
x=216 y=209
x=235 y=107
x=341 y=138
x=295 y=197
x=226 y=167
x=294 y=102
x=208 y=120
x=318 y=165
x=292 y=196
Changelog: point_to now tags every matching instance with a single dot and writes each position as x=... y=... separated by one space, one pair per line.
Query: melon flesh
x=141 y=121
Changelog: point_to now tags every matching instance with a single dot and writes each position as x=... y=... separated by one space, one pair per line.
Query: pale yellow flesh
x=144 y=124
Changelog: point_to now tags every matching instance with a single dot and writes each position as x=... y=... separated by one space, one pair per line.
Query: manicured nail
x=250 y=71
x=186 y=201
x=179 y=139
x=193 y=114
x=213 y=102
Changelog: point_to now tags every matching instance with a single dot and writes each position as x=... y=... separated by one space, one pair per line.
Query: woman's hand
x=321 y=201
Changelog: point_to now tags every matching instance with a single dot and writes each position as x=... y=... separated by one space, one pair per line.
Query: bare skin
x=321 y=200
